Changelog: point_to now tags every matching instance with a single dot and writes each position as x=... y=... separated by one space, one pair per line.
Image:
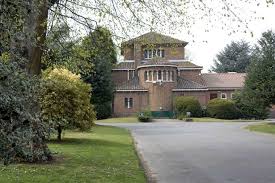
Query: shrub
x=22 y=134
x=250 y=108
x=222 y=109
x=187 y=104
x=145 y=116
x=65 y=101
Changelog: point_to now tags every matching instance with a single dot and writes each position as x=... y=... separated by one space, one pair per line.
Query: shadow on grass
x=90 y=142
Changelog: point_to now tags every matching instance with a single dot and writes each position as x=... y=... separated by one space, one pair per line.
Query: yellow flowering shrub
x=65 y=101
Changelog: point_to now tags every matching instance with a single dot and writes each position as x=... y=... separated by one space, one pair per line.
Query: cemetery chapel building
x=154 y=72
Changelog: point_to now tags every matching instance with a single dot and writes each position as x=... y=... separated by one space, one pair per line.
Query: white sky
x=203 y=53
x=203 y=45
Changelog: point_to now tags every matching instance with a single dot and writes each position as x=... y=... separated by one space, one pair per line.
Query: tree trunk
x=59 y=131
x=40 y=29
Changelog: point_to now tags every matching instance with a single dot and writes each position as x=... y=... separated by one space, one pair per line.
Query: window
x=172 y=76
x=213 y=96
x=162 y=55
x=151 y=53
x=164 y=75
x=159 y=75
x=128 y=103
x=223 y=96
x=232 y=95
x=145 y=76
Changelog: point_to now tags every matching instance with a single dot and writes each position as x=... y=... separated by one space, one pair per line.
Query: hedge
x=222 y=109
x=184 y=104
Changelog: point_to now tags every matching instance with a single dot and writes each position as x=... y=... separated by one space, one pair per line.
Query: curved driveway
x=178 y=152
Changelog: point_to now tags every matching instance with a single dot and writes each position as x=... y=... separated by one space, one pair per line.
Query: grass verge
x=207 y=119
x=119 y=120
x=106 y=154
x=263 y=127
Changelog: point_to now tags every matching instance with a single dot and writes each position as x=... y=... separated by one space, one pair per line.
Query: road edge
x=148 y=172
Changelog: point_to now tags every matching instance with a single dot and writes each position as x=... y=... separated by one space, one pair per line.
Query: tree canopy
x=102 y=55
x=65 y=101
x=235 y=57
x=259 y=90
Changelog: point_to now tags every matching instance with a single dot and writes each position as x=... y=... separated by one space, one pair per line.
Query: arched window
x=168 y=76
x=164 y=75
x=159 y=75
x=172 y=76
x=154 y=75
x=145 y=76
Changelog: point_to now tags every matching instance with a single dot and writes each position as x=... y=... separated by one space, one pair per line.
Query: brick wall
x=140 y=102
x=202 y=96
x=128 y=52
x=160 y=96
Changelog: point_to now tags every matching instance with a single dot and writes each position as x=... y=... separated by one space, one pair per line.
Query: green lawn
x=264 y=127
x=207 y=119
x=119 y=120
x=106 y=154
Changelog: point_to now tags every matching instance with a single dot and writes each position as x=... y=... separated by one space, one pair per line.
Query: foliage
x=222 y=109
x=101 y=53
x=65 y=101
x=185 y=104
x=145 y=116
x=235 y=57
x=22 y=134
x=64 y=51
x=259 y=90
x=103 y=155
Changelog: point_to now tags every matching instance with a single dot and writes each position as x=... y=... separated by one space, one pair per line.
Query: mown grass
x=119 y=120
x=106 y=154
x=263 y=127
x=207 y=119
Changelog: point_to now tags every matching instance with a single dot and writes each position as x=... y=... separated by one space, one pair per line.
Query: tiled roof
x=132 y=84
x=187 y=84
x=154 y=38
x=186 y=64
x=155 y=62
x=125 y=65
x=224 y=80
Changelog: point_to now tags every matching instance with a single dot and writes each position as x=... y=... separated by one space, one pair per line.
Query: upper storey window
x=151 y=53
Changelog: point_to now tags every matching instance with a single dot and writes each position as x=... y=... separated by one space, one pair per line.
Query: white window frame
x=149 y=53
x=225 y=94
x=232 y=94
x=128 y=102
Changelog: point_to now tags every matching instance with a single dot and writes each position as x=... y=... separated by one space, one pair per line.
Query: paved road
x=205 y=152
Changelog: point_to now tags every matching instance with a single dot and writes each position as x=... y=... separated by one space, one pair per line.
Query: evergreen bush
x=22 y=134
x=185 y=104
x=222 y=109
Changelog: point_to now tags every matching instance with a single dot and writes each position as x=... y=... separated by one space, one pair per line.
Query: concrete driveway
x=178 y=152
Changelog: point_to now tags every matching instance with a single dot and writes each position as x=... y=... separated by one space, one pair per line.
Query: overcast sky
x=207 y=45
x=209 y=28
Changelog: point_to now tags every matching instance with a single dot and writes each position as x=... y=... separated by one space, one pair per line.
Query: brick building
x=154 y=72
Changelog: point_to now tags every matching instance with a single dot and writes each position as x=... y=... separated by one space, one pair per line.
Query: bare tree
x=121 y=16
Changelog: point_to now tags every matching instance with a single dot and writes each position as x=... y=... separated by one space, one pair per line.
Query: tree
x=102 y=55
x=234 y=58
x=65 y=101
x=259 y=90
x=61 y=50
x=24 y=22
